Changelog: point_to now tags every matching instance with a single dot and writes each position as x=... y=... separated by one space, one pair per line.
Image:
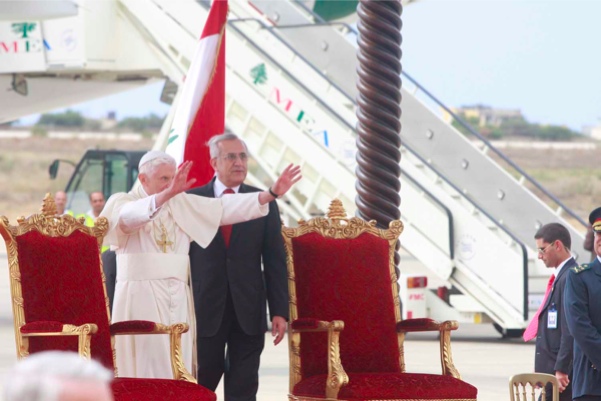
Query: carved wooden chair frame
x=338 y=226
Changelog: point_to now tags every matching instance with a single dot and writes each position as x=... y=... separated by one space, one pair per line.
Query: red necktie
x=226 y=231
x=532 y=328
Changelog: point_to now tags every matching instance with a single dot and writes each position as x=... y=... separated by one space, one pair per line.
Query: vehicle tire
x=508 y=333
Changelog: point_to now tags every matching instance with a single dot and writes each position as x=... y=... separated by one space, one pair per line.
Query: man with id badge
x=554 y=343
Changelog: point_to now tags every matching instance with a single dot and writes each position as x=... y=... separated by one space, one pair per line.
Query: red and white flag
x=200 y=112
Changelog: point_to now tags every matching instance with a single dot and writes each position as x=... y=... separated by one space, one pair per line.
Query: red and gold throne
x=59 y=302
x=346 y=336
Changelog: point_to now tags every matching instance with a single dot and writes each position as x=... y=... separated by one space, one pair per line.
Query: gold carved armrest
x=444 y=328
x=53 y=329
x=175 y=331
x=337 y=377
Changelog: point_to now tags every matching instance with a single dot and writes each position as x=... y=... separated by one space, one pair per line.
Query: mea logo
x=28 y=39
x=23 y=28
x=259 y=77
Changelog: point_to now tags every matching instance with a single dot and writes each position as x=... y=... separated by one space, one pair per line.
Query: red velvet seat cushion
x=126 y=389
x=42 y=327
x=304 y=323
x=129 y=326
x=388 y=386
x=420 y=324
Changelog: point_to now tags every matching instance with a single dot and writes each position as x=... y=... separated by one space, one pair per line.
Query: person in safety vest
x=97 y=202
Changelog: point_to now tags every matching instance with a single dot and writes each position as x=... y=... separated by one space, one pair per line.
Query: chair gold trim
x=50 y=224
x=522 y=387
x=338 y=225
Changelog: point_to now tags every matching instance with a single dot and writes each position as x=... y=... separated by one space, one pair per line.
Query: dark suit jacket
x=109 y=265
x=583 y=310
x=237 y=269
x=554 y=347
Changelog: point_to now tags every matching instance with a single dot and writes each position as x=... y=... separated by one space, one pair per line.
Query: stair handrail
x=498 y=152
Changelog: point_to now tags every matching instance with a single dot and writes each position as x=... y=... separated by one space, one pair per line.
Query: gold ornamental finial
x=48 y=206
x=336 y=210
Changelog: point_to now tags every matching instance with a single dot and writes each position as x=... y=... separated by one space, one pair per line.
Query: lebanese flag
x=200 y=112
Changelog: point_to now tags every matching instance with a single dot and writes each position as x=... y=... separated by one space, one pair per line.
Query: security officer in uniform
x=583 y=312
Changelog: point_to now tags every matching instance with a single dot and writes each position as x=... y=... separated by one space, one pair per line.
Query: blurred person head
x=229 y=159
x=156 y=171
x=553 y=243
x=97 y=202
x=60 y=200
x=595 y=219
x=58 y=376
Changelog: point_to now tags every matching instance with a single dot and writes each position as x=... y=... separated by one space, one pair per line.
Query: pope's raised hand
x=180 y=182
x=290 y=176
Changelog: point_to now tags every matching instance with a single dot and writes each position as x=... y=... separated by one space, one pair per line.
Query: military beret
x=595 y=219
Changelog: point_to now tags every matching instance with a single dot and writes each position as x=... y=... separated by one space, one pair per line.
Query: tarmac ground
x=481 y=356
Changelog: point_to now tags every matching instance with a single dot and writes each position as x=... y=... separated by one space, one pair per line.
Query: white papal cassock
x=154 y=285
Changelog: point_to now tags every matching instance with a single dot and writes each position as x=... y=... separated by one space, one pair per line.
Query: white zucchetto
x=153 y=155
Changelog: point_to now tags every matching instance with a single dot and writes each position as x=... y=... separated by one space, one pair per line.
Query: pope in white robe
x=150 y=229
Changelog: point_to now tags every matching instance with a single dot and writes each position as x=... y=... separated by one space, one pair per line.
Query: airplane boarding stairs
x=288 y=111
x=290 y=95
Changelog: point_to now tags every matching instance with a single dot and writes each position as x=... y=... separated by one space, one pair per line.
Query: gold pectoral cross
x=163 y=243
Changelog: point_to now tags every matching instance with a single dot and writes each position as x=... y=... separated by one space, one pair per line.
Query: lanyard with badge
x=552 y=317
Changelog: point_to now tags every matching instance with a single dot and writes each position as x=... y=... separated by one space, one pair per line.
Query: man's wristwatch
x=273 y=193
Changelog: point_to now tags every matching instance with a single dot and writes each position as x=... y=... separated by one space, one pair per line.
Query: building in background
x=484 y=115
x=594 y=131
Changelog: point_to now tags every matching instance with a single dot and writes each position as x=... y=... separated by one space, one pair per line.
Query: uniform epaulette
x=581 y=268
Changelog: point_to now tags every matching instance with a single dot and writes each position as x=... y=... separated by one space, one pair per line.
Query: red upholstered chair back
x=343 y=269
x=57 y=261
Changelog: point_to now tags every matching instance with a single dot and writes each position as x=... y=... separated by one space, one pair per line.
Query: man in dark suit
x=583 y=309
x=230 y=289
x=554 y=343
